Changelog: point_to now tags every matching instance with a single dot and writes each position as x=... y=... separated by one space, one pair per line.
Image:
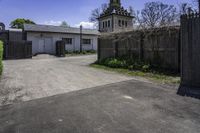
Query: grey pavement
x=124 y=107
x=45 y=75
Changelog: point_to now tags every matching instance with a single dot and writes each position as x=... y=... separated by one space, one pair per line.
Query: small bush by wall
x=1 y=57
x=132 y=64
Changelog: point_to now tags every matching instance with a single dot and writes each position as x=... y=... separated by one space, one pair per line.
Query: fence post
x=99 y=49
x=141 y=55
x=116 y=49
x=190 y=47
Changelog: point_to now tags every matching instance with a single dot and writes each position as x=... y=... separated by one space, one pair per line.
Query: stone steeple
x=115 y=18
x=115 y=3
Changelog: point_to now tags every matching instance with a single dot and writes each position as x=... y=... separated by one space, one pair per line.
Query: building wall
x=114 y=23
x=118 y=28
x=15 y=35
x=75 y=46
x=104 y=20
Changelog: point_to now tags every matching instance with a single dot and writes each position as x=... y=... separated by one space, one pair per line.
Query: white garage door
x=49 y=47
x=45 y=45
x=41 y=46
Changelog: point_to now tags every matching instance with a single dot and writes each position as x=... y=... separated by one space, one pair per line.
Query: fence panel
x=190 y=57
x=18 y=50
x=159 y=46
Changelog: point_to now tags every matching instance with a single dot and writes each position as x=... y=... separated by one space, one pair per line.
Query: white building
x=44 y=38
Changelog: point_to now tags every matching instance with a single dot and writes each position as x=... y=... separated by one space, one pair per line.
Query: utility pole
x=81 y=39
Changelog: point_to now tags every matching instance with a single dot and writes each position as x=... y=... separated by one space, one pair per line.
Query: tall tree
x=183 y=8
x=64 y=24
x=157 y=14
x=95 y=14
x=19 y=23
x=198 y=4
x=198 y=1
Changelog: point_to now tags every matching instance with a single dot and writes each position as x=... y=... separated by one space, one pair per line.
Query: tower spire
x=115 y=3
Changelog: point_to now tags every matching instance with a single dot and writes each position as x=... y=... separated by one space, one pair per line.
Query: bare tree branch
x=157 y=14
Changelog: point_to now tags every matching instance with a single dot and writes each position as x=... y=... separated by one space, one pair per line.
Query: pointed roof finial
x=115 y=3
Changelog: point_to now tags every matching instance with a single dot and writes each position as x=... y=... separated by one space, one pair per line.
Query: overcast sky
x=54 y=11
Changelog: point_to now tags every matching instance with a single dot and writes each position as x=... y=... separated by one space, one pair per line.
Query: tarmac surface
x=64 y=95
x=125 y=107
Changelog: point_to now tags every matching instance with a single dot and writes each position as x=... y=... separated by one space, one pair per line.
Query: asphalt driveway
x=65 y=95
x=46 y=75
x=124 y=107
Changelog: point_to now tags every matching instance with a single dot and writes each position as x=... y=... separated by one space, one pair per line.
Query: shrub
x=146 y=68
x=126 y=63
x=1 y=57
x=114 y=63
x=91 y=51
x=84 y=52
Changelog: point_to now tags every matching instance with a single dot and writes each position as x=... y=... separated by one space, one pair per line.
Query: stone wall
x=159 y=46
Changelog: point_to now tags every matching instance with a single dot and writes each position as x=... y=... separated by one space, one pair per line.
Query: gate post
x=190 y=56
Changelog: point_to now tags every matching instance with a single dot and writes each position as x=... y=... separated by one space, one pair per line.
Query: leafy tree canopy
x=19 y=23
x=64 y=24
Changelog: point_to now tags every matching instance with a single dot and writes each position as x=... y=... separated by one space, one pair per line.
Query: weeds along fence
x=190 y=55
x=159 y=46
x=17 y=49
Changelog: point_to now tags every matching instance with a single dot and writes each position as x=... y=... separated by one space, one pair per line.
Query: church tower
x=115 y=3
x=115 y=18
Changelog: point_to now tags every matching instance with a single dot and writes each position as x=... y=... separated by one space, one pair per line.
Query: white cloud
x=52 y=22
x=88 y=25
x=85 y=24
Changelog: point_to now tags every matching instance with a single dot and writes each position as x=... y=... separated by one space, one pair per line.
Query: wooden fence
x=160 y=46
x=17 y=50
x=190 y=55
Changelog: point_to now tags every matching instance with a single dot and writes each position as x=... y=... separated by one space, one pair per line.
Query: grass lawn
x=153 y=76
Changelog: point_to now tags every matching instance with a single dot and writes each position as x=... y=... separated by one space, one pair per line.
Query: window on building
x=103 y=24
x=86 y=41
x=122 y=22
x=126 y=23
x=108 y=23
x=67 y=40
x=119 y=23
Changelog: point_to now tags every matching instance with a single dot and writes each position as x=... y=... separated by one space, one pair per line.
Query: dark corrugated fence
x=60 y=48
x=17 y=50
x=159 y=46
x=190 y=55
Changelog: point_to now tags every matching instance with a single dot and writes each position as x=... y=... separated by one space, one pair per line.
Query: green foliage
x=80 y=53
x=126 y=63
x=64 y=24
x=115 y=63
x=154 y=76
x=19 y=23
x=1 y=57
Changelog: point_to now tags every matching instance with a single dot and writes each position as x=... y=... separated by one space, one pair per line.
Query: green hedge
x=1 y=57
